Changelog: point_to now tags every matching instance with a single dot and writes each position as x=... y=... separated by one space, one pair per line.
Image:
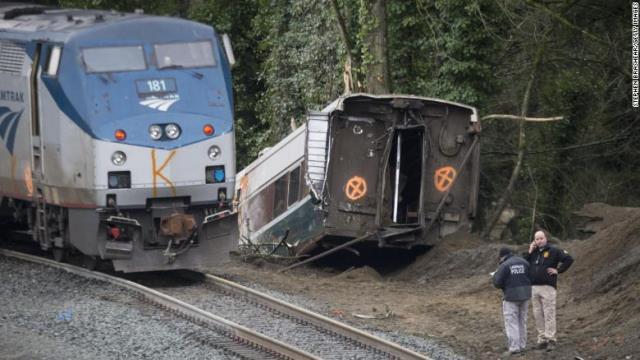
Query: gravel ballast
x=47 y=313
x=429 y=347
x=240 y=311
x=308 y=338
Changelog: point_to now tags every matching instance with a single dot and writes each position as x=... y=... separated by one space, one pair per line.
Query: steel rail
x=237 y=333
x=394 y=351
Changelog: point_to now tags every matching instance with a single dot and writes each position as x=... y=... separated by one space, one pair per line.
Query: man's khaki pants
x=544 y=311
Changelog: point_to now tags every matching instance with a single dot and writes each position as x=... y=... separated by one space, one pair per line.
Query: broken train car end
x=394 y=171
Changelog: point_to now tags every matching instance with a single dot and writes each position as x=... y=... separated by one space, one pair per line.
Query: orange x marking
x=355 y=188
x=444 y=178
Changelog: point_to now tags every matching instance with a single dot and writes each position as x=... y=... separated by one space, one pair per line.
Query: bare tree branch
x=535 y=202
x=526 y=118
x=506 y=195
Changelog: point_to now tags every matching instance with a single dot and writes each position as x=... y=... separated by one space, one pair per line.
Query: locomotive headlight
x=118 y=158
x=155 y=131
x=214 y=152
x=172 y=131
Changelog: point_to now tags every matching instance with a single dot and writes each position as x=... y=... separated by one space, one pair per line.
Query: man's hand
x=532 y=247
x=552 y=271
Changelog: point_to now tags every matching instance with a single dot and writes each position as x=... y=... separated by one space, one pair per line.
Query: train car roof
x=24 y=22
x=338 y=104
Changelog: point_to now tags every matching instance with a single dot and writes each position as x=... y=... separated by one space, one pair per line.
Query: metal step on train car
x=117 y=136
x=394 y=171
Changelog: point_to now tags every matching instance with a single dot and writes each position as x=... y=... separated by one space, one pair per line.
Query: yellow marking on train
x=28 y=180
x=157 y=172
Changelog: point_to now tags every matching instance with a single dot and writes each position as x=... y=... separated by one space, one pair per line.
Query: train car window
x=262 y=206
x=294 y=186
x=53 y=61
x=184 y=55
x=304 y=188
x=280 y=198
x=113 y=59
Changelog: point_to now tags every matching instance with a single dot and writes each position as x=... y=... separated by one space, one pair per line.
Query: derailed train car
x=117 y=136
x=393 y=171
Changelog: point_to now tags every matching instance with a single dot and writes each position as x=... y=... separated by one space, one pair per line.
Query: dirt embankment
x=447 y=294
x=603 y=305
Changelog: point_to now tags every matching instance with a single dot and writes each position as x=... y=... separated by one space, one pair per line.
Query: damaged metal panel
x=394 y=160
x=358 y=141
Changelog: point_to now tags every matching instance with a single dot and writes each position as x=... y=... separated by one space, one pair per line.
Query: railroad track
x=307 y=335
x=309 y=331
x=221 y=333
x=333 y=327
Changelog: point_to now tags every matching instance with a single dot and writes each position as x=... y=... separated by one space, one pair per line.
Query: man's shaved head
x=540 y=238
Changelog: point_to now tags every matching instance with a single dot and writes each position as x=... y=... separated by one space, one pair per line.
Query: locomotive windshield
x=111 y=59
x=184 y=55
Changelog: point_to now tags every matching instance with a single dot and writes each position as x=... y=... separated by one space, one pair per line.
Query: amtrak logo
x=8 y=126
x=162 y=104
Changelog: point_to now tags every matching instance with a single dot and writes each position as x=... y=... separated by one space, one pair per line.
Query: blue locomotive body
x=118 y=136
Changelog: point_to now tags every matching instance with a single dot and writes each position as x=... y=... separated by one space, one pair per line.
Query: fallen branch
x=525 y=118
x=379 y=316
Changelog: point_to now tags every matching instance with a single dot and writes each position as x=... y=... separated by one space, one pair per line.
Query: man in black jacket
x=512 y=277
x=546 y=263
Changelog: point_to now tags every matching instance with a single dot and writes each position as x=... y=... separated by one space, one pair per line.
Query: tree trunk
x=347 y=73
x=377 y=65
x=522 y=145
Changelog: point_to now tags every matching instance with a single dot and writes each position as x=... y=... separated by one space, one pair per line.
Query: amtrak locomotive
x=117 y=136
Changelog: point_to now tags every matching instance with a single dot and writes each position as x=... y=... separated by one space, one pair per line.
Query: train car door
x=37 y=168
x=46 y=60
x=356 y=144
x=38 y=178
x=45 y=66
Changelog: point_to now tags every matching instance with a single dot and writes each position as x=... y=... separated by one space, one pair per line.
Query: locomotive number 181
x=154 y=86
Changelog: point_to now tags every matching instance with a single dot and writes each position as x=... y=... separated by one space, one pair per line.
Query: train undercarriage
x=166 y=234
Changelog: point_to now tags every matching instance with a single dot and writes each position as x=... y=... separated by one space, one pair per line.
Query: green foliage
x=290 y=55
x=365 y=25
x=463 y=52
x=301 y=70
x=231 y=17
x=412 y=50
x=589 y=155
x=441 y=48
x=167 y=7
